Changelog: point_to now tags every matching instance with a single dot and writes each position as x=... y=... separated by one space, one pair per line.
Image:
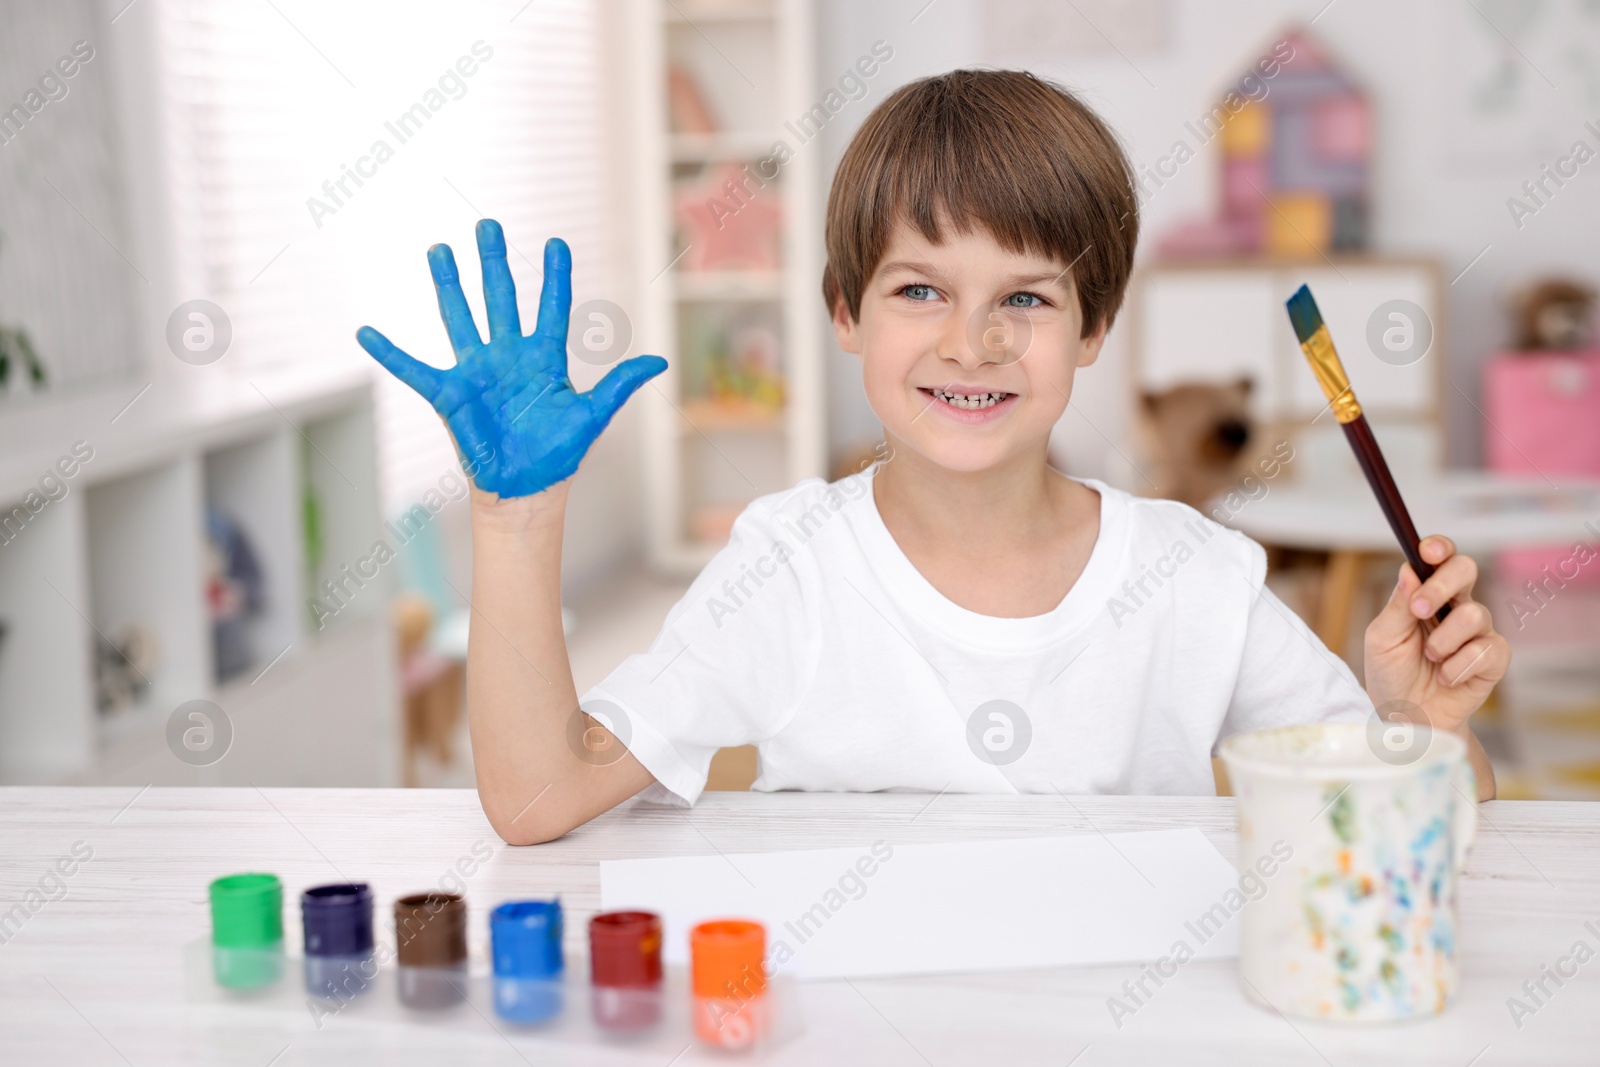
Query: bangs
x=1000 y=151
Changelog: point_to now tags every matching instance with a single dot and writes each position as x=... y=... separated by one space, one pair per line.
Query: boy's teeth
x=970 y=401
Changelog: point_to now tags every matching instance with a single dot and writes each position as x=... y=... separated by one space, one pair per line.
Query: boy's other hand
x=1446 y=669
x=517 y=421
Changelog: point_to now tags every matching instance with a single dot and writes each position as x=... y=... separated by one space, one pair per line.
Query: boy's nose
x=982 y=335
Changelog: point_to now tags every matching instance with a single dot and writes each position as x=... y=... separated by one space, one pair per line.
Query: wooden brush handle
x=1365 y=446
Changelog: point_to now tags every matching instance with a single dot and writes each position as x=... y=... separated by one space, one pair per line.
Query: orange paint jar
x=729 y=982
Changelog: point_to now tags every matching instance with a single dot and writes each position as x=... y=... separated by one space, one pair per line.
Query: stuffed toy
x=1196 y=435
x=1554 y=316
x=122 y=667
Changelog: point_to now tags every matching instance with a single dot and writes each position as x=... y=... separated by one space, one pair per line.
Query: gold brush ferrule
x=1330 y=374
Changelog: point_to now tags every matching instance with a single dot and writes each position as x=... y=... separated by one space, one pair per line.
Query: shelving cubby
x=709 y=451
x=146 y=536
x=123 y=542
x=256 y=483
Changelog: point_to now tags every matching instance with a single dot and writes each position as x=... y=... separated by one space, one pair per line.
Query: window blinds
x=317 y=151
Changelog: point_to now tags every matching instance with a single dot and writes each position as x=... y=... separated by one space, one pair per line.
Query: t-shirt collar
x=1085 y=601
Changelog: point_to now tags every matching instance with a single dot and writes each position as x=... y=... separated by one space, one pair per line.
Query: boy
x=941 y=621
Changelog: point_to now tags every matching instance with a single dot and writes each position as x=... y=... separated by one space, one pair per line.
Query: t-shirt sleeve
x=732 y=661
x=1287 y=675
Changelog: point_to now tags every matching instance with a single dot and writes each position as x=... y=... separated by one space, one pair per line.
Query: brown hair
x=1021 y=156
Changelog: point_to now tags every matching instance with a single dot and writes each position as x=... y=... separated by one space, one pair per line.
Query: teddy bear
x=1196 y=436
x=1554 y=315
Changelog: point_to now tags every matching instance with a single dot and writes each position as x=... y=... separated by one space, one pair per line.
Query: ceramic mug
x=1359 y=921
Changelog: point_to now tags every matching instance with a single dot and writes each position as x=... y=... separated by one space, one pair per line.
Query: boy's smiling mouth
x=967 y=401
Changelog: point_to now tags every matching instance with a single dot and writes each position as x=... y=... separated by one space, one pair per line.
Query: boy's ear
x=844 y=327
x=1091 y=344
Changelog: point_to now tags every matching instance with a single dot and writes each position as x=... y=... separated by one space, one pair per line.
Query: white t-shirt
x=813 y=637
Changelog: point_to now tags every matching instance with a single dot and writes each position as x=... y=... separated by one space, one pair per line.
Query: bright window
x=319 y=149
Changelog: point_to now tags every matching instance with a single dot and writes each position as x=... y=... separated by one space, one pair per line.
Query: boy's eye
x=1024 y=300
x=917 y=292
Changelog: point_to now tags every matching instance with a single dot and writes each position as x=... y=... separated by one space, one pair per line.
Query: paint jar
x=430 y=932
x=729 y=983
x=337 y=920
x=1359 y=834
x=247 y=930
x=625 y=969
x=525 y=938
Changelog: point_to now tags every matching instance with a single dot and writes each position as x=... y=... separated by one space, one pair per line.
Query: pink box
x=1543 y=415
x=1544 y=412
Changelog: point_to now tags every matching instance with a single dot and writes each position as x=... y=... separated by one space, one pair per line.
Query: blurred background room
x=233 y=552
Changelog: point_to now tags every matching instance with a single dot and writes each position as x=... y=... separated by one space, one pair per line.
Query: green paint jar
x=247 y=930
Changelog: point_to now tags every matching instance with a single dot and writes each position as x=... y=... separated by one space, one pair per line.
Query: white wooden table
x=1482 y=512
x=97 y=975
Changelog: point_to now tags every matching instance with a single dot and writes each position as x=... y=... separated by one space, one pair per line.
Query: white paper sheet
x=967 y=906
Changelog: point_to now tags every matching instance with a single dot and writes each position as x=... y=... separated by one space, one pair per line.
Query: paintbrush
x=1317 y=343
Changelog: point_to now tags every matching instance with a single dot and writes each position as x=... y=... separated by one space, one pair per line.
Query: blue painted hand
x=509 y=403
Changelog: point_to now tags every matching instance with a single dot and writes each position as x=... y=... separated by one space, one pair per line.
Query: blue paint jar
x=528 y=966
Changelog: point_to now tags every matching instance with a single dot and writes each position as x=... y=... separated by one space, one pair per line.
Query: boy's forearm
x=520 y=692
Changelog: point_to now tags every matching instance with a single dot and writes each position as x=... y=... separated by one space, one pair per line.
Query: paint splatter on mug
x=1361 y=924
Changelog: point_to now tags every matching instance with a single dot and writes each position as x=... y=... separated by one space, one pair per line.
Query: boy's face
x=967 y=350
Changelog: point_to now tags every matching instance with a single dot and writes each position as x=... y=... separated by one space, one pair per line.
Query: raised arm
x=523 y=430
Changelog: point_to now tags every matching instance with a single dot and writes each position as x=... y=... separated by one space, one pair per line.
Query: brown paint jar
x=430 y=932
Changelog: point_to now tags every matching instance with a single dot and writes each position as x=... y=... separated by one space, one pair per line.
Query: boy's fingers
x=499 y=290
x=624 y=380
x=452 y=301
x=426 y=380
x=555 y=296
x=1396 y=618
x=1452 y=578
x=1436 y=548
x=1485 y=657
x=1465 y=623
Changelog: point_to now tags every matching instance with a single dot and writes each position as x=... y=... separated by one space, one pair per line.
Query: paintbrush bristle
x=1304 y=315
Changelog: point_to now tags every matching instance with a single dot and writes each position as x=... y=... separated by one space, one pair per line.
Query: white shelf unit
x=127 y=543
x=1217 y=320
x=753 y=62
